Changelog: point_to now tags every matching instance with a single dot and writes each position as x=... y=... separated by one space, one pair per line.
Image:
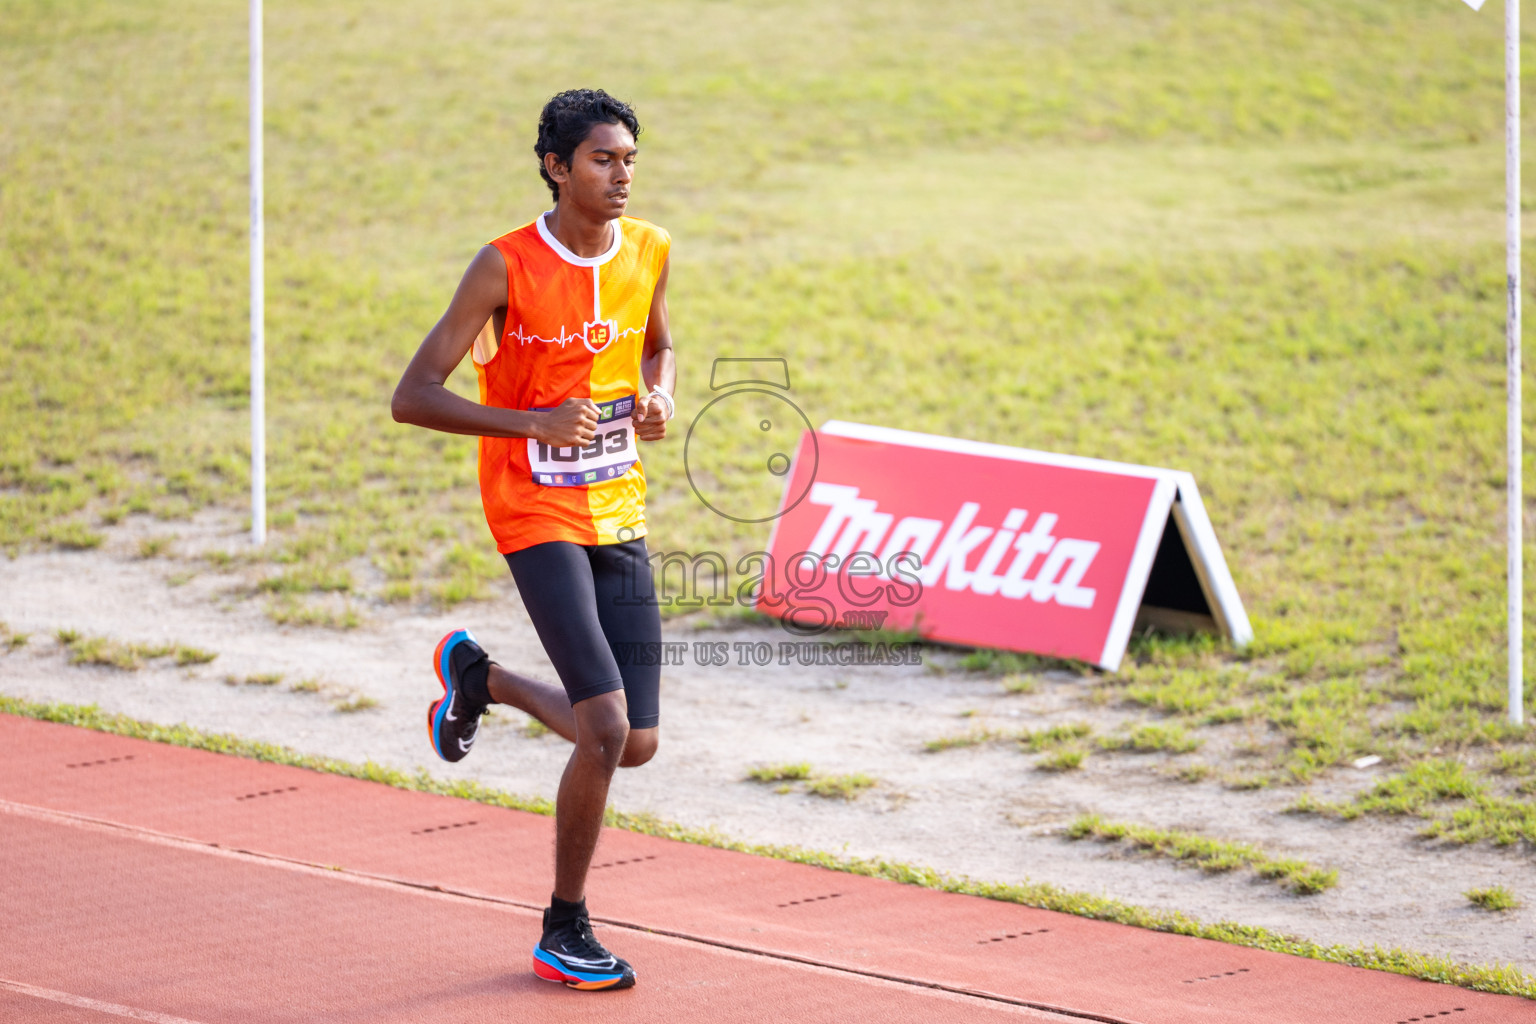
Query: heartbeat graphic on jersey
x=585 y=336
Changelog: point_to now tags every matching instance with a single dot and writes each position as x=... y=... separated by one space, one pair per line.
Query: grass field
x=1258 y=241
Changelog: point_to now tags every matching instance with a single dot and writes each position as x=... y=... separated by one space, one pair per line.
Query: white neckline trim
x=570 y=257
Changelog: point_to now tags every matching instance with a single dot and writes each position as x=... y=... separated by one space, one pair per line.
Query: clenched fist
x=650 y=419
x=573 y=421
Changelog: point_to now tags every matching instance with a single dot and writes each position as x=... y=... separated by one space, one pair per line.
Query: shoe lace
x=466 y=712
x=582 y=942
x=470 y=729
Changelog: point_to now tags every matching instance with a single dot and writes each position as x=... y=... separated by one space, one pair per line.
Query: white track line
x=86 y=1003
x=269 y=860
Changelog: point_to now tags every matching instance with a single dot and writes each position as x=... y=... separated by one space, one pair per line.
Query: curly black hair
x=568 y=118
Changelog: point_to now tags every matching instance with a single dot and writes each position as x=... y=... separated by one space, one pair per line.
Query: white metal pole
x=258 y=298
x=1512 y=348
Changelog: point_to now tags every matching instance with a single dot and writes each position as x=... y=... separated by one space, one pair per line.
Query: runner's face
x=601 y=170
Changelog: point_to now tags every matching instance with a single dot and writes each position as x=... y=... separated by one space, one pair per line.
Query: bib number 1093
x=608 y=456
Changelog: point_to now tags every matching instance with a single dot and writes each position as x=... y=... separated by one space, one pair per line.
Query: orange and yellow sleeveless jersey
x=575 y=328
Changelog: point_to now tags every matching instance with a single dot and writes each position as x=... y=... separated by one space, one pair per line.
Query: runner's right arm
x=421 y=399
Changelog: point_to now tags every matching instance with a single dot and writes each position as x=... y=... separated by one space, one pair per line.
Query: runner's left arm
x=421 y=398
x=657 y=365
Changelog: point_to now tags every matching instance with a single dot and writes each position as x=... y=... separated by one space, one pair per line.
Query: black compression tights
x=595 y=611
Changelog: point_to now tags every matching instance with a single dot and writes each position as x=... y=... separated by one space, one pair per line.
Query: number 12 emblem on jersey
x=599 y=334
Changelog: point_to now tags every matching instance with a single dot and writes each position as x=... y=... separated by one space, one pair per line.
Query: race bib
x=607 y=456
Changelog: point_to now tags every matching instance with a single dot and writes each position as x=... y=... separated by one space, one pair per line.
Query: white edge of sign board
x=1175 y=491
x=1210 y=564
x=1163 y=493
x=891 y=435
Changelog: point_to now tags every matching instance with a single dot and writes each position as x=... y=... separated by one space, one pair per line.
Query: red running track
x=148 y=882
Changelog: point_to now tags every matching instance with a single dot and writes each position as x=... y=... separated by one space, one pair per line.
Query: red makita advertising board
x=981 y=544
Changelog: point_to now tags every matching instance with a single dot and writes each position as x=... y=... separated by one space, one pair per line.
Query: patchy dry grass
x=1012 y=666
x=1031 y=741
x=186 y=656
x=974 y=738
x=1053 y=736
x=840 y=787
x=289 y=610
x=786 y=776
x=1211 y=855
x=1197 y=771
x=126 y=656
x=153 y=547
x=12 y=640
x=1067 y=759
x=780 y=772
x=1495 y=898
x=1152 y=739
x=255 y=679
x=1460 y=806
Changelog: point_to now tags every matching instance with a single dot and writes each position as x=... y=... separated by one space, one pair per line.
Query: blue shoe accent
x=552 y=967
x=565 y=968
x=453 y=722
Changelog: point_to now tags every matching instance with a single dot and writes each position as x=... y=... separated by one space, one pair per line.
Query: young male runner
x=571 y=317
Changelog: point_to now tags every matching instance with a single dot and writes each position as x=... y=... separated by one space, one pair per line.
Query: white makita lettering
x=913 y=535
x=1016 y=584
x=985 y=580
x=852 y=522
x=841 y=499
x=1076 y=556
x=948 y=562
x=855 y=525
x=866 y=529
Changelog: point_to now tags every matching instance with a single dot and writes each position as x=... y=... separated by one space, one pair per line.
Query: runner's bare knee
x=639 y=748
x=602 y=727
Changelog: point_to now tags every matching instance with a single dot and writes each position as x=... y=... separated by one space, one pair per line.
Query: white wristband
x=661 y=392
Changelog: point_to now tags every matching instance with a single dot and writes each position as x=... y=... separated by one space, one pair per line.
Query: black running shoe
x=570 y=954
x=453 y=721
